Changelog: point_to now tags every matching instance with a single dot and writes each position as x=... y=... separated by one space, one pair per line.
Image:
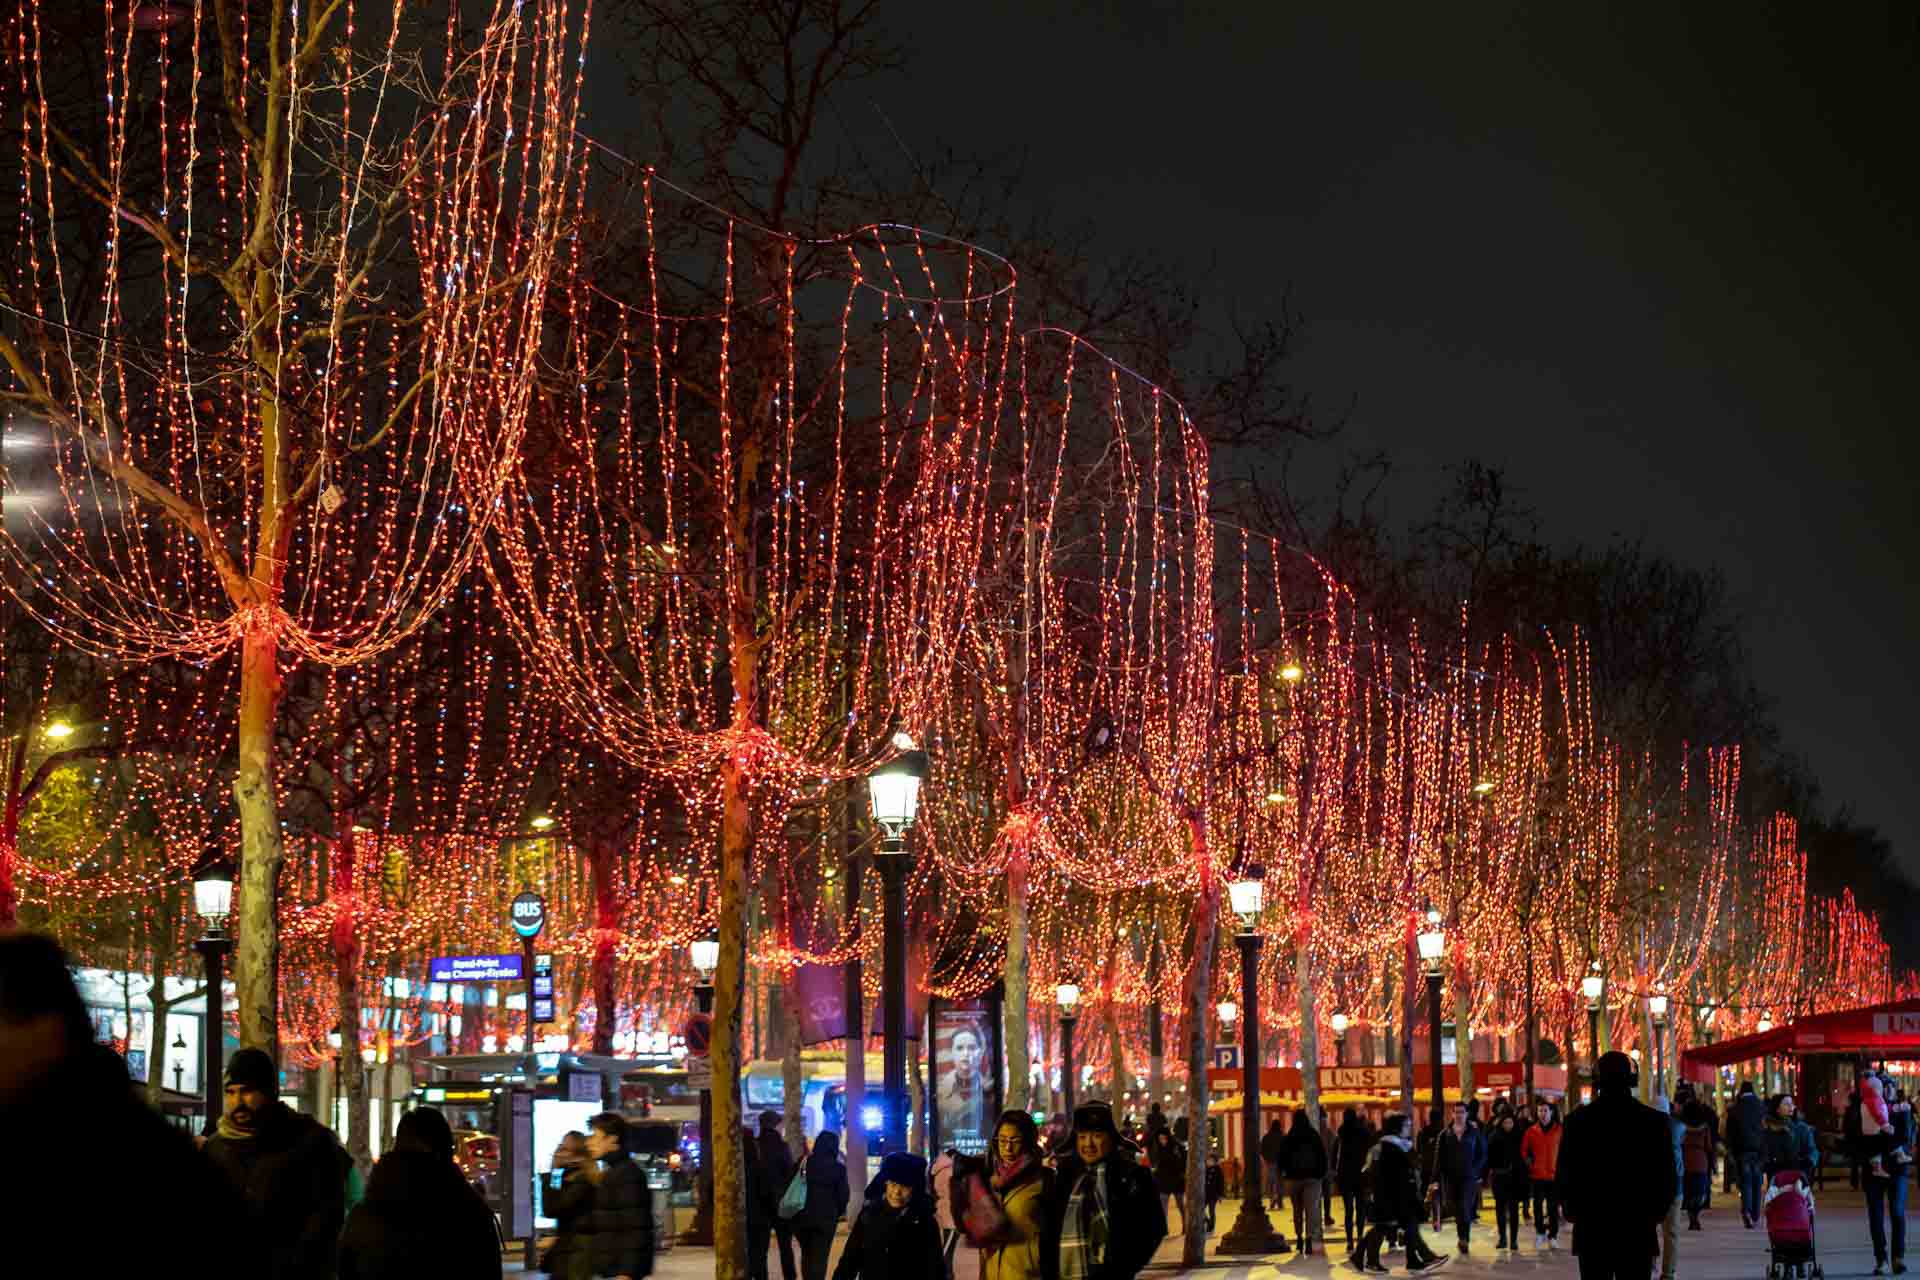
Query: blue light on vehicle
x=872 y=1117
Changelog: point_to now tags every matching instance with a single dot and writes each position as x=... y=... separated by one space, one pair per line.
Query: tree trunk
x=1463 y=1035
x=1199 y=1010
x=1013 y=1013
x=1530 y=1051
x=1116 y=1059
x=257 y=936
x=856 y=1010
x=10 y=833
x=792 y=1087
x=1309 y=1032
x=1156 y=1052
x=736 y=848
x=606 y=934
x=917 y=1096
x=346 y=967
x=1409 y=997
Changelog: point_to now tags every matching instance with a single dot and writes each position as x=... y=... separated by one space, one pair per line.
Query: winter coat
x=84 y=1143
x=893 y=1244
x=622 y=1220
x=1027 y=1252
x=1169 y=1168
x=1540 y=1149
x=1270 y=1143
x=293 y=1175
x=1350 y=1146
x=1506 y=1169
x=1616 y=1178
x=1746 y=1124
x=1134 y=1216
x=763 y=1193
x=1302 y=1155
x=777 y=1159
x=568 y=1205
x=419 y=1218
x=1696 y=1148
x=1788 y=1144
x=1216 y=1184
x=1393 y=1185
x=1462 y=1157
x=827 y=1190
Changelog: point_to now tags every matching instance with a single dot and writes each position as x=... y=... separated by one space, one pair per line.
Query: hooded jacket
x=1350 y=1146
x=292 y=1173
x=827 y=1189
x=419 y=1218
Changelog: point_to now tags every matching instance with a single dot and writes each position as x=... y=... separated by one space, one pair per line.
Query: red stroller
x=1789 y=1212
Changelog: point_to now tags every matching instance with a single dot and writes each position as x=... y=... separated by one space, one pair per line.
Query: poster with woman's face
x=963 y=1076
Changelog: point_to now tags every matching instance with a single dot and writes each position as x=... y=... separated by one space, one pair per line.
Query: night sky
x=1657 y=262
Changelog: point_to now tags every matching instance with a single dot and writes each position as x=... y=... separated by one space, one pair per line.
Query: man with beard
x=291 y=1172
x=77 y=1129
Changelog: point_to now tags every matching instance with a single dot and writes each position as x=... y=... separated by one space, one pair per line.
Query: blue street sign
x=476 y=969
x=1226 y=1057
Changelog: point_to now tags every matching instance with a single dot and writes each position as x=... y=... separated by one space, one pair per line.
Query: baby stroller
x=1789 y=1212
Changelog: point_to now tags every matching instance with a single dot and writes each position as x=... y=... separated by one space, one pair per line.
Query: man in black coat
x=290 y=1170
x=420 y=1217
x=1746 y=1141
x=84 y=1148
x=777 y=1162
x=1104 y=1201
x=1616 y=1177
x=1272 y=1146
x=621 y=1220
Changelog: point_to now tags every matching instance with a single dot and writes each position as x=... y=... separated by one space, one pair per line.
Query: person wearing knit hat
x=289 y=1169
x=895 y=1236
x=1105 y=1204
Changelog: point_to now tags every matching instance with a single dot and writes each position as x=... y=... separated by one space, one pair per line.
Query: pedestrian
x=1696 y=1153
x=895 y=1236
x=1270 y=1144
x=1216 y=1186
x=1507 y=1171
x=762 y=1204
x=1460 y=1160
x=1169 y=1162
x=777 y=1159
x=420 y=1216
x=620 y=1224
x=1876 y=1127
x=1106 y=1213
x=1616 y=1176
x=1394 y=1202
x=1886 y=1191
x=1786 y=1145
x=1156 y=1119
x=85 y=1143
x=1540 y=1149
x=289 y=1168
x=941 y=1178
x=1326 y=1180
x=1021 y=1246
x=1746 y=1133
x=1351 y=1142
x=566 y=1196
x=1303 y=1160
x=827 y=1195
x=1670 y=1222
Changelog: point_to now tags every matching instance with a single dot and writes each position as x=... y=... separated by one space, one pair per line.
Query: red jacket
x=1541 y=1150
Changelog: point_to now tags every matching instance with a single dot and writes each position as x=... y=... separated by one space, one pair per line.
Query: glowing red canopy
x=1889 y=1030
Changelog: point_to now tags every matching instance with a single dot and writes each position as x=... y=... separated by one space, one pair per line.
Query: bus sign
x=528 y=914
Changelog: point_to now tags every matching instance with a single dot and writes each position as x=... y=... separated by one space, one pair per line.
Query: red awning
x=1878 y=1030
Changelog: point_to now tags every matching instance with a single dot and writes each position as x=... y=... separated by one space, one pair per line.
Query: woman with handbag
x=826 y=1203
x=1015 y=1240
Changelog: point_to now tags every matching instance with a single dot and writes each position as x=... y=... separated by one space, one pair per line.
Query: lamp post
x=1657 y=1011
x=1340 y=1022
x=1766 y=1060
x=1593 y=986
x=213 y=902
x=1432 y=942
x=1706 y=1038
x=1067 y=995
x=894 y=789
x=1252 y=1231
x=705 y=955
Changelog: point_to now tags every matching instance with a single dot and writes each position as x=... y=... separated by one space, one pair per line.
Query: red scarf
x=1009 y=1171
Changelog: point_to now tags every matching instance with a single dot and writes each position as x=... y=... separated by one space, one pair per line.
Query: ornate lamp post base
x=1252 y=1234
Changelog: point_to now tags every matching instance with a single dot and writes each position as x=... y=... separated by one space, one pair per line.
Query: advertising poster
x=965 y=1082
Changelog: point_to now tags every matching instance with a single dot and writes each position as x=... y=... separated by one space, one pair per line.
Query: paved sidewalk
x=1723 y=1250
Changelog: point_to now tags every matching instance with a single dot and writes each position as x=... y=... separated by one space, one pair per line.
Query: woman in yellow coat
x=1023 y=1186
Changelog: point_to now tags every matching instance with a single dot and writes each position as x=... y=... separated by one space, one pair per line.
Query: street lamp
x=1229 y=1014
x=1432 y=942
x=894 y=790
x=213 y=903
x=705 y=956
x=1657 y=1011
x=1593 y=986
x=1066 y=994
x=1340 y=1022
x=1252 y=1232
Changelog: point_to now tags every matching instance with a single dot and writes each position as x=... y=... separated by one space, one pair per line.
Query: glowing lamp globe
x=1657 y=1007
x=1592 y=987
x=706 y=955
x=1764 y=1025
x=1246 y=895
x=894 y=790
x=1340 y=1022
x=213 y=893
x=1229 y=1012
x=1432 y=942
x=1067 y=996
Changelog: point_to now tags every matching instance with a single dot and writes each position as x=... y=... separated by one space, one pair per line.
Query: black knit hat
x=1095 y=1117
x=253 y=1069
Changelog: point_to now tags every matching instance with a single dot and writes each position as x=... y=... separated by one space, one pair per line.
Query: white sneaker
x=1553 y=1243
x=1539 y=1240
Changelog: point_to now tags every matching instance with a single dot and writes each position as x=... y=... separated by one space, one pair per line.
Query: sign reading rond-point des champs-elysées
x=507 y=968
